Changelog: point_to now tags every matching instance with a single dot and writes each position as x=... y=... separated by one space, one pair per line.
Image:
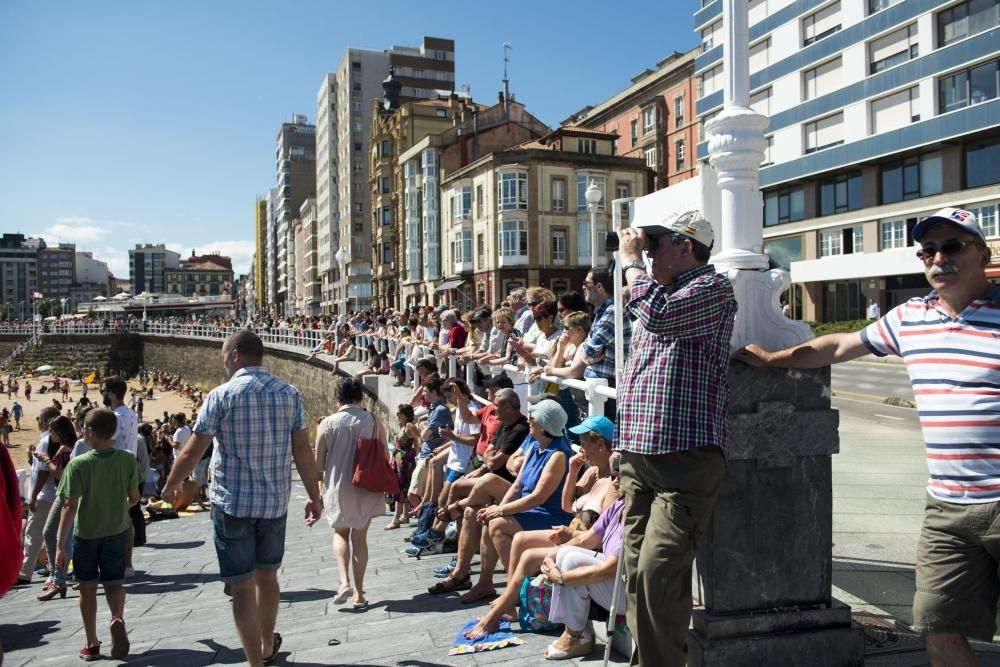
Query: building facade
x=147 y=266
x=57 y=271
x=296 y=182
x=518 y=217
x=653 y=118
x=309 y=264
x=205 y=275
x=881 y=112
x=19 y=272
x=259 y=267
x=344 y=108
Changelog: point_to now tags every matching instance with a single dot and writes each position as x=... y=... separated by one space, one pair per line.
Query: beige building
x=204 y=275
x=518 y=217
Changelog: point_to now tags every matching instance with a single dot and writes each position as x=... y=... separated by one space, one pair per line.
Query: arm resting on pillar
x=823 y=351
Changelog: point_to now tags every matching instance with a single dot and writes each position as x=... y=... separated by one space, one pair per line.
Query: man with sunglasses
x=949 y=340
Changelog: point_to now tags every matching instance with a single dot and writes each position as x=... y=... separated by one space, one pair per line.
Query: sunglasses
x=929 y=250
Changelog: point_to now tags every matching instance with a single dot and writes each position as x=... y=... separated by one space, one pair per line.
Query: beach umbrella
x=100 y=298
x=44 y=367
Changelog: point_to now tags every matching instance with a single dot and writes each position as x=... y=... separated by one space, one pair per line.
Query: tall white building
x=343 y=135
x=881 y=111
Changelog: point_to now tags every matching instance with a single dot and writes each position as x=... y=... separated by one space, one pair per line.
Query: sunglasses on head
x=950 y=247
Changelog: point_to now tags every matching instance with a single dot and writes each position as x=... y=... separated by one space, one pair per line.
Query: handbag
x=372 y=471
x=536 y=600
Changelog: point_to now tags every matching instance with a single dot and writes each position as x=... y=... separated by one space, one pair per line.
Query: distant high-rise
x=260 y=253
x=19 y=271
x=343 y=131
x=296 y=181
x=56 y=270
x=147 y=264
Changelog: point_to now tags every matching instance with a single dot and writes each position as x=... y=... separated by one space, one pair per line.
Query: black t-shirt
x=507 y=440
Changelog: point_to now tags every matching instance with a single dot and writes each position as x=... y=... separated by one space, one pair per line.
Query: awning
x=447 y=285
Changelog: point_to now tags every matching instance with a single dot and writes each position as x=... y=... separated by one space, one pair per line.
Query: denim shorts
x=245 y=544
x=454 y=475
x=100 y=558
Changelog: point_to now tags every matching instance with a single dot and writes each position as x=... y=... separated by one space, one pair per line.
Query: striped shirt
x=674 y=391
x=954 y=366
x=252 y=417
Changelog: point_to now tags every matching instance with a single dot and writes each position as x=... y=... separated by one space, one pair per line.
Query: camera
x=653 y=234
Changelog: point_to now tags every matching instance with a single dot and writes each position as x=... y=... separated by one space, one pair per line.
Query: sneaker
x=445 y=570
x=92 y=652
x=119 y=639
x=430 y=538
x=417 y=552
x=129 y=572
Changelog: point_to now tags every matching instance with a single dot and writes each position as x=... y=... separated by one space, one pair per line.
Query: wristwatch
x=636 y=264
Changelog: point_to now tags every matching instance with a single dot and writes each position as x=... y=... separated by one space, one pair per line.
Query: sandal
x=392 y=525
x=476 y=596
x=343 y=594
x=276 y=644
x=450 y=585
x=580 y=645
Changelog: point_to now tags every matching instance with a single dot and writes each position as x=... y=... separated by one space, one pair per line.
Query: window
x=622 y=192
x=893 y=234
x=768 y=159
x=558 y=195
x=386 y=184
x=357 y=147
x=649 y=115
x=822 y=79
x=911 y=178
x=756 y=11
x=513 y=238
x=710 y=81
x=386 y=148
x=711 y=36
x=879 y=5
x=479 y=201
x=893 y=49
x=386 y=215
x=679 y=155
x=559 y=247
x=830 y=242
x=987 y=215
x=970 y=86
x=588 y=146
x=356 y=86
x=967 y=19
x=650 y=155
x=679 y=111
x=634 y=131
x=702 y=132
x=513 y=190
x=418 y=73
x=582 y=183
x=784 y=206
x=481 y=250
x=761 y=102
x=840 y=194
x=440 y=113
x=583 y=239
x=387 y=253
x=462 y=247
x=821 y=24
x=824 y=133
x=982 y=163
x=461 y=203
x=760 y=55
x=896 y=110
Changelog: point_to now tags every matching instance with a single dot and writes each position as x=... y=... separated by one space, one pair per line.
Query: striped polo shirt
x=954 y=366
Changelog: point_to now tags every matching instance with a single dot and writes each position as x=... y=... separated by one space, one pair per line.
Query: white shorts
x=419 y=478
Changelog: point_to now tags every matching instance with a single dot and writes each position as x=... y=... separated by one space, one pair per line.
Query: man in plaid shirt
x=260 y=426
x=672 y=424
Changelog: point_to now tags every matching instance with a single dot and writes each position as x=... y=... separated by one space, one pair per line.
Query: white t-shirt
x=48 y=492
x=127 y=434
x=181 y=436
x=459 y=456
x=79 y=448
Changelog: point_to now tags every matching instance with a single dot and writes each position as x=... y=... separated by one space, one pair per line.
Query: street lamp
x=593 y=196
x=341 y=257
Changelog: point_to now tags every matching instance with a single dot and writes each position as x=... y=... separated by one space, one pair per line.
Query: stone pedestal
x=766 y=560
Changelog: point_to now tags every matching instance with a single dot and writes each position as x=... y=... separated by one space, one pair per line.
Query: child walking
x=97 y=489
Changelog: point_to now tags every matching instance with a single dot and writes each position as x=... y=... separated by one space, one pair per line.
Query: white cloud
x=74 y=230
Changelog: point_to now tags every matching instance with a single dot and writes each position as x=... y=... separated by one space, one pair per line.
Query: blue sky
x=132 y=122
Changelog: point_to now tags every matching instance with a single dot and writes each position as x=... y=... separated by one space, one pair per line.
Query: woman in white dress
x=348 y=508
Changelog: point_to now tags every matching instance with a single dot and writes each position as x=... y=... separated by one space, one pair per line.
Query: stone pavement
x=178 y=615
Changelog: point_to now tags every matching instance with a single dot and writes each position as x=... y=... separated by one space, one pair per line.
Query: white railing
x=596 y=391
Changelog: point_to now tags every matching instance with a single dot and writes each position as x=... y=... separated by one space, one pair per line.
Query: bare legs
x=949 y=650
x=350 y=548
x=528 y=565
x=255 y=610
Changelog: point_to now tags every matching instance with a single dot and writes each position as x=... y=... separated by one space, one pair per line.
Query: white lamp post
x=341 y=256
x=593 y=196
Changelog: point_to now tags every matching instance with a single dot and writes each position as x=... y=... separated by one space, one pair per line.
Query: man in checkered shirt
x=260 y=426
x=672 y=423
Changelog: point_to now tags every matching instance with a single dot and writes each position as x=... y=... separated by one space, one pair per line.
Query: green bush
x=823 y=328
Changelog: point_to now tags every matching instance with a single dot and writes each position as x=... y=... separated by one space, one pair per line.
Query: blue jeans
x=245 y=544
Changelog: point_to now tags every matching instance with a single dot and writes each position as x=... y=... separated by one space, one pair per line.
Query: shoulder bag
x=371 y=467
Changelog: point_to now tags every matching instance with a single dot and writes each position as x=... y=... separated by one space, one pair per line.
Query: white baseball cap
x=693 y=225
x=965 y=220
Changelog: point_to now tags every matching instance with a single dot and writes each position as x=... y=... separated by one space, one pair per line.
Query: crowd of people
x=553 y=495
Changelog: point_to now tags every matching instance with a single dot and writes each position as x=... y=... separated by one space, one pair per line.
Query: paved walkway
x=178 y=615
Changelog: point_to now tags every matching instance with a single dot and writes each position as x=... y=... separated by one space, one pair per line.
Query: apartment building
x=205 y=275
x=18 y=272
x=344 y=121
x=259 y=266
x=519 y=216
x=147 y=266
x=423 y=231
x=653 y=118
x=271 y=277
x=295 y=157
x=308 y=295
x=56 y=270
x=881 y=112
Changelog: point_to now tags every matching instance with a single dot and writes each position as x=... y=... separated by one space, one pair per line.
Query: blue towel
x=490 y=642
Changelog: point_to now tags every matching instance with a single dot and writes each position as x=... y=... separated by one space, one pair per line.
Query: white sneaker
x=129 y=572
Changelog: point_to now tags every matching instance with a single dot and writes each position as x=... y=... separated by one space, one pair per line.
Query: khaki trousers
x=669 y=499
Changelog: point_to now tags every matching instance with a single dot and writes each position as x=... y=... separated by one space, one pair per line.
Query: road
x=860 y=387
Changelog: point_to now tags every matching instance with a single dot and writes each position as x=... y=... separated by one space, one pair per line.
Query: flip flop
x=450 y=586
x=343 y=594
x=360 y=606
x=471 y=597
x=276 y=644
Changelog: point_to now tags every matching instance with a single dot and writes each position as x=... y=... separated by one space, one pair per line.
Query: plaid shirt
x=674 y=390
x=252 y=418
x=601 y=340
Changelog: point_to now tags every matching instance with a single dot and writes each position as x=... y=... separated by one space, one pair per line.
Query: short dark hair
x=572 y=301
x=102 y=422
x=247 y=344
x=181 y=417
x=427 y=365
x=603 y=278
x=349 y=390
x=116 y=386
x=48 y=414
x=433 y=383
x=407 y=411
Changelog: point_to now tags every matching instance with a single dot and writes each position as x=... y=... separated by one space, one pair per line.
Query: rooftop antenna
x=506 y=82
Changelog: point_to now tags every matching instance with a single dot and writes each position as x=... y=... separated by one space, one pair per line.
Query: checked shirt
x=600 y=342
x=252 y=418
x=674 y=392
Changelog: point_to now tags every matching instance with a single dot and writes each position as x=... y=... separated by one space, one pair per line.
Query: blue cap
x=598 y=424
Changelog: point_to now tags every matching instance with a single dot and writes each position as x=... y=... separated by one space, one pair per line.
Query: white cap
x=693 y=225
x=959 y=217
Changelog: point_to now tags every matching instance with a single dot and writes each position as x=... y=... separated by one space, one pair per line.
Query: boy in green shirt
x=98 y=488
